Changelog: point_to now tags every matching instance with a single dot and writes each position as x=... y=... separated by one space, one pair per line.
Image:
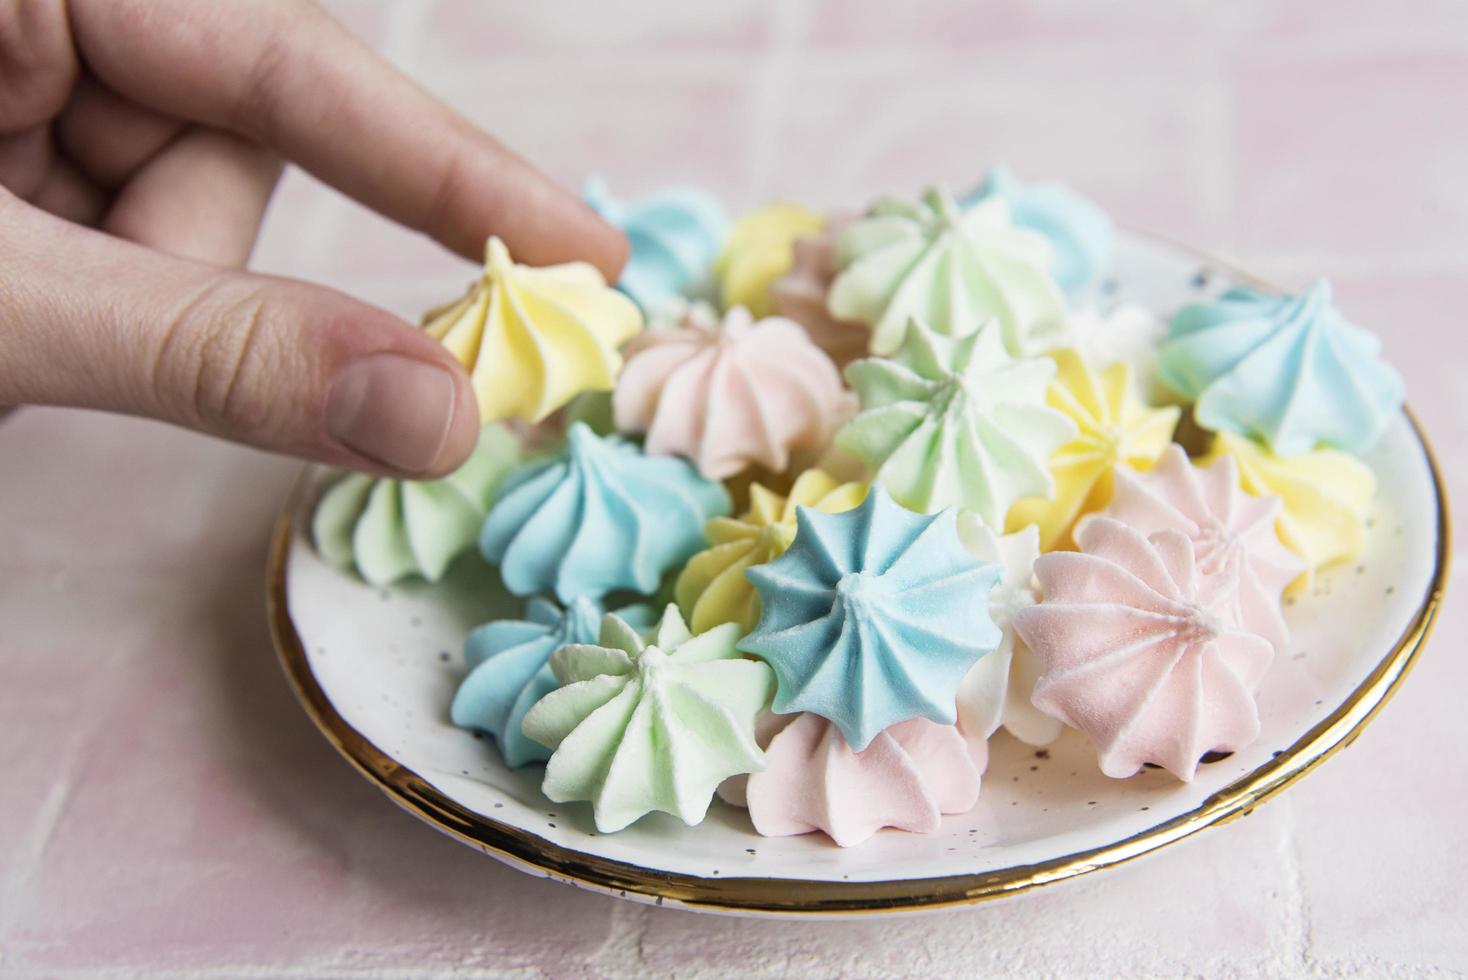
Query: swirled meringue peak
x=745 y=392
x=650 y=725
x=951 y=268
x=996 y=690
x=1325 y=498
x=1289 y=371
x=598 y=517
x=1116 y=430
x=712 y=588
x=675 y=235
x=760 y=250
x=392 y=529
x=532 y=339
x=1233 y=533
x=509 y=668
x=1142 y=651
x=908 y=777
x=800 y=295
x=872 y=617
x=955 y=421
x=1082 y=235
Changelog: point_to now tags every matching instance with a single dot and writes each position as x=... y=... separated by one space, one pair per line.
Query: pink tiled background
x=167 y=809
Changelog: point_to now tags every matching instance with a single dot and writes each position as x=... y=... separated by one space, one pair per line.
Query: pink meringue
x=800 y=294
x=1142 y=652
x=907 y=778
x=1232 y=532
x=730 y=395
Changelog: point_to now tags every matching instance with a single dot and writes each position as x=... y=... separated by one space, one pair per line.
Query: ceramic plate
x=376 y=669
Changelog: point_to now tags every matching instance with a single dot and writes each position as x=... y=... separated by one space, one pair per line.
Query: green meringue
x=956 y=422
x=951 y=267
x=390 y=529
x=651 y=725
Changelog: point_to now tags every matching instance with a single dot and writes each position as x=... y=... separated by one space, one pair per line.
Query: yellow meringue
x=1326 y=496
x=1116 y=428
x=532 y=339
x=712 y=588
x=761 y=249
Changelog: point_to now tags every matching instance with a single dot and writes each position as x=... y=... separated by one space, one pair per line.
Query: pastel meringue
x=955 y=421
x=1142 y=652
x=1115 y=430
x=650 y=725
x=951 y=268
x=1233 y=533
x=760 y=250
x=599 y=516
x=393 y=529
x=1325 y=498
x=800 y=295
x=509 y=668
x=1289 y=371
x=869 y=617
x=1082 y=235
x=532 y=339
x=675 y=234
x=1130 y=333
x=996 y=691
x=712 y=588
x=908 y=777
x=745 y=392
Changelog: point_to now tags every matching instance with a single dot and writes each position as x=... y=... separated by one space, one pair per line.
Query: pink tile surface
x=168 y=810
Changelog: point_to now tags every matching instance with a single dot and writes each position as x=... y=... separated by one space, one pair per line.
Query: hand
x=139 y=143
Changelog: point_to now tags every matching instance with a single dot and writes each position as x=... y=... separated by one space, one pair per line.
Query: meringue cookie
x=390 y=529
x=951 y=269
x=1141 y=651
x=869 y=617
x=1083 y=237
x=759 y=251
x=801 y=295
x=1286 y=370
x=674 y=234
x=509 y=668
x=908 y=777
x=643 y=726
x=996 y=690
x=955 y=421
x=746 y=392
x=598 y=517
x=712 y=588
x=1232 y=533
x=532 y=339
x=1115 y=429
x=1325 y=498
x=1129 y=333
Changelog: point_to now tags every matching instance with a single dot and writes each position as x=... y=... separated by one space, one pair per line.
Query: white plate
x=377 y=668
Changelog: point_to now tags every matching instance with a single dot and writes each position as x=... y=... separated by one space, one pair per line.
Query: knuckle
x=220 y=357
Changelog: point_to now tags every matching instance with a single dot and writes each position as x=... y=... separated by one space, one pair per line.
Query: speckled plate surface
x=376 y=669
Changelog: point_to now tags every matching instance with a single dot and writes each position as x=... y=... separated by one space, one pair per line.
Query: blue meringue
x=1082 y=234
x=873 y=616
x=675 y=236
x=1289 y=371
x=509 y=668
x=598 y=517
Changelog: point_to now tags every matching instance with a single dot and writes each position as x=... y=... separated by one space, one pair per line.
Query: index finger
x=285 y=73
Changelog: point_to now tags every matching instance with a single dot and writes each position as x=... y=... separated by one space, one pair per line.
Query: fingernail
x=393 y=409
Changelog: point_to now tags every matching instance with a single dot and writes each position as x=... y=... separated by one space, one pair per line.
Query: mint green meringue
x=392 y=529
x=955 y=421
x=650 y=725
x=951 y=267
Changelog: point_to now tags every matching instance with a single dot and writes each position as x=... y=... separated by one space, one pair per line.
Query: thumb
x=94 y=322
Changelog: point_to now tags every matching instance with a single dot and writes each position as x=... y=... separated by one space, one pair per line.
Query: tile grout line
x=765 y=112
x=1297 y=917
